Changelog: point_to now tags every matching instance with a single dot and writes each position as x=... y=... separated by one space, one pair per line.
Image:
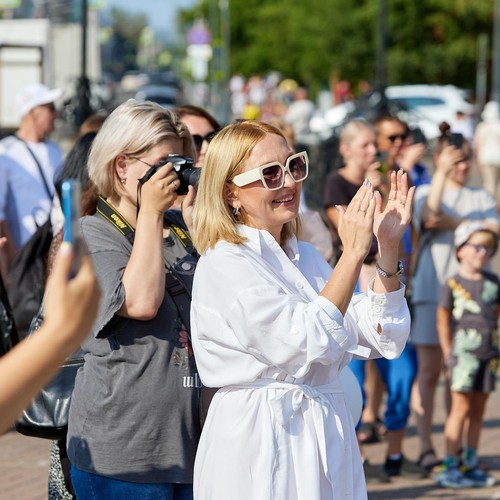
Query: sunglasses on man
x=395 y=137
x=272 y=174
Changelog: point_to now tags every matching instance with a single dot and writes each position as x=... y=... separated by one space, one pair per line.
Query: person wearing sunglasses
x=273 y=326
x=203 y=127
x=399 y=148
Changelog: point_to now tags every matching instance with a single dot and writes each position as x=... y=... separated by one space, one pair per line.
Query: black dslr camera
x=184 y=167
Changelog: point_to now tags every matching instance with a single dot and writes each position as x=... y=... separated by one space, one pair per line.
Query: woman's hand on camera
x=356 y=222
x=159 y=192
x=390 y=223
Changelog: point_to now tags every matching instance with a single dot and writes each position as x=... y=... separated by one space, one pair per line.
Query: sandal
x=428 y=460
x=368 y=433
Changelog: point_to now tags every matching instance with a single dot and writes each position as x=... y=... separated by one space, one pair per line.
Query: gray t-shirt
x=473 y=306
x=134 y=411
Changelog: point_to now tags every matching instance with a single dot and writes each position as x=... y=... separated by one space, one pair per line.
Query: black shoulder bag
x=47 y=415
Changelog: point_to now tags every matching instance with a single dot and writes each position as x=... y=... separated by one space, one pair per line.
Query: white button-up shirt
x=280 y=428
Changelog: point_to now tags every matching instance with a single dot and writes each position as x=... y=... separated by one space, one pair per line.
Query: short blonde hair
x=214 y=219
x=353 y=128
x=132 y=129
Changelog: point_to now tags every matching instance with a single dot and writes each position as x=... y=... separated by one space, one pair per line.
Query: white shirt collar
x=256 y=238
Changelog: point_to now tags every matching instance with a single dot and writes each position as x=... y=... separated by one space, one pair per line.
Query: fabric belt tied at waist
x=289 y=402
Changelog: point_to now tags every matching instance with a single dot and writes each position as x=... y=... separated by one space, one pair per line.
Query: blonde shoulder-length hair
x=214 y=219
x=132 y=129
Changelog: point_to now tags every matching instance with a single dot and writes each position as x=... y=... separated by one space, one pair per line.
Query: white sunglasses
x=272 y=174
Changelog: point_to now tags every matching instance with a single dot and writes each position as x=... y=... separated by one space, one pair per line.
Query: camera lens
x=189 y=176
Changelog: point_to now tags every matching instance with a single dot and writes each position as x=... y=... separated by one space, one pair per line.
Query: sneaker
x=405 y=468
x=453 y=478
x=479 y=477
x=374 y=474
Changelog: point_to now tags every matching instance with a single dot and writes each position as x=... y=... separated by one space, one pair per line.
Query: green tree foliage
x=432 y=41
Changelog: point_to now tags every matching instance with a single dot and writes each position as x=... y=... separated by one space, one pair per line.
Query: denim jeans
x=90 y=486
x=398 y=376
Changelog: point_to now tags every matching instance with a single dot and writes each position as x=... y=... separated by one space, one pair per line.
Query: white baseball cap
x=466 y=229
x=35 y=95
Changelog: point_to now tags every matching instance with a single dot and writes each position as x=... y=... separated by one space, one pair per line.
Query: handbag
x=47 y=415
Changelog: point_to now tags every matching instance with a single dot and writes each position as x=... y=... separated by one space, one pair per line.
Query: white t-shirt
x=24 y=201
x=280 y=427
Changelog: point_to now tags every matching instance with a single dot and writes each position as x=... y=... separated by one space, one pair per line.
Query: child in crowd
x=467 y=318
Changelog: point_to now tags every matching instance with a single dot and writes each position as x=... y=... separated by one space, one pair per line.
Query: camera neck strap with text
x=176 y=288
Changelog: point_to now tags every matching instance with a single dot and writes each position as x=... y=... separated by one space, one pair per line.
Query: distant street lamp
x=382 y=45
x=83 y=109
x=381 y=76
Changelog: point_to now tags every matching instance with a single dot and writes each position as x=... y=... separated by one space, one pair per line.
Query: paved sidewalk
x=24 y=463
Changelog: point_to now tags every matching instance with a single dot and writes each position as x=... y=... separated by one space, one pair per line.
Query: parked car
x=426 y=106
x=421 y=106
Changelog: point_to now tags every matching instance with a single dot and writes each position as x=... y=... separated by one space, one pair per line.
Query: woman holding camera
x=273 y=325
x=133 y=425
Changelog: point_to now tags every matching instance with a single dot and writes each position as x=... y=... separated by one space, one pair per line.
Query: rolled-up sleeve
x=390 y=311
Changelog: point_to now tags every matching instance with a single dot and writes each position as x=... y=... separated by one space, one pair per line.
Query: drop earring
x=236 y=211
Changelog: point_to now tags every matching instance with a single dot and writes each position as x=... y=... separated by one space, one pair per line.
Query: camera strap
x=177 y=287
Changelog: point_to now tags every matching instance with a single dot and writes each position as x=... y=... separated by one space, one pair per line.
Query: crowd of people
x=217 y=325
x=430 y=251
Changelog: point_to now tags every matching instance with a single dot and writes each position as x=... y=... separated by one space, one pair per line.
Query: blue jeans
x=398 y=376
x=90 y=486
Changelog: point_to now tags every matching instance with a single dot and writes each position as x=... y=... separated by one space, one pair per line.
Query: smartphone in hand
x=418 y=136
x=381 y=157
x=71 y=200
x=456 y=140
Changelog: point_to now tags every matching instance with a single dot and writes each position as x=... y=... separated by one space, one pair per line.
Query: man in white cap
x=28 y=165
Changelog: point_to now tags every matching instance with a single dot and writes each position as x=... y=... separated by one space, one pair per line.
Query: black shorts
x=471 y=374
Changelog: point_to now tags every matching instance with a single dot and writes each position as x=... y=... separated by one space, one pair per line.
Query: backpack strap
x=50 y=194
